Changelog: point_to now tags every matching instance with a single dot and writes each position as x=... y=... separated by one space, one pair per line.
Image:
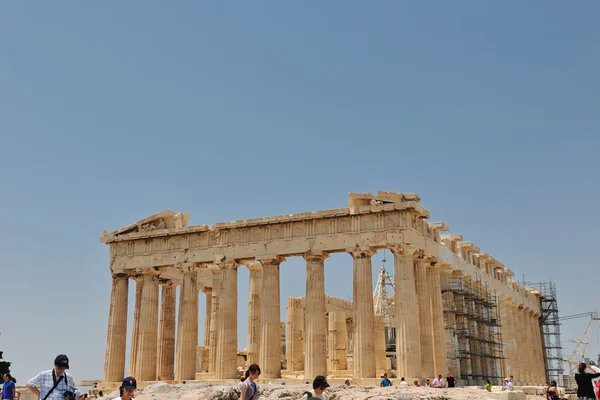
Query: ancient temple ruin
x=454 y=308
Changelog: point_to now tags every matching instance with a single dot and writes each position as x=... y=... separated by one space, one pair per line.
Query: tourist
x=318 y=392
x=488 y=385
x=403 y=383
x=552 y=392
x=451 y=380
x=385 y=382
x=346 y=382
x=585 y=386
x=437 y=382
x=427 y=382
x=127 y=389
x=416 y=383
x=52 y=384
x=248 y=387
x=8 y=390
x=508 y=385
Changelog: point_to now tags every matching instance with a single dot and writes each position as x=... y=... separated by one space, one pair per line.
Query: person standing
x=9 y=392
x=248 y=387
x=437 y=382
x=451 y=380
x=52 y=384
x=385 y=382
x=318 y=392
x=585 y=386
x=508 y=385
x=403 y=383
x=128 y=388
x=488 y=385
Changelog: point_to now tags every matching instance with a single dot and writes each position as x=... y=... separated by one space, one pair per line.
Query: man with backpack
x=318 y=392
x=54 y=383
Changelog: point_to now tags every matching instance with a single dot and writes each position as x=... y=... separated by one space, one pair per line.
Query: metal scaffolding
x=550 y=323
x=477 y=329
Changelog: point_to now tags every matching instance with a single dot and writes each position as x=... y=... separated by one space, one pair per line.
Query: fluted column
x=187 y=324
x=408 y=345
x=114 y=360
x=380 y=358
x=506 y=330
x=133 y=352
x=521 y=345
x=426 y=323
x=515 y=341
x=363 y=356
x=207 y=315
x=295 y=335
x=437 y=316
x=148 y=329
x=337 y=341
x=270 y=339
x=315 y=338
x=541 y=351
x=254 y=313
x=226 y=363
x=217 y=283
x=166 y=333
x=539 y=371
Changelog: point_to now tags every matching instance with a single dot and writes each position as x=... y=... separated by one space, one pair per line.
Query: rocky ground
x=210 y=391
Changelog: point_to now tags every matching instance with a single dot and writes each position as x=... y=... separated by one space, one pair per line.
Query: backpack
x=307 y=394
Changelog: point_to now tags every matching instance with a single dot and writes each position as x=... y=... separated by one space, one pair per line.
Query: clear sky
x=112 y=111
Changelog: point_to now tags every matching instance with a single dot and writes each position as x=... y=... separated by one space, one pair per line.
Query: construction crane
x=380 y=296
x=580 y=344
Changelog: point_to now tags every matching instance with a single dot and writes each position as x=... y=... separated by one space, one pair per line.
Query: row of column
x=523 y=343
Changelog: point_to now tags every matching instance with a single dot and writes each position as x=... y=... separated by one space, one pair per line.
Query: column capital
x=270 y=260
x=187 y=267
x=229 y=264
x=149 y=271
x=402 y=250
x=120 y=274
x=168 y=283
x=361 y=253
x=315 y=257
x=206 y=290
x=256 y=266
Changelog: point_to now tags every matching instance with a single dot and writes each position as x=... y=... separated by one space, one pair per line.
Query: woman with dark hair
x=585 y=386
x=248 y=387
x=127 y=389
x=552 y=391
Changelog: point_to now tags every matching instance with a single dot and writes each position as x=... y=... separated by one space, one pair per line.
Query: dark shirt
x=451 y=381
x=585 y=387
x=385 y=382
x=7 y=390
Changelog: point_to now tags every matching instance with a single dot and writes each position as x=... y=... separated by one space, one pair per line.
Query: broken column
x=270 y=344
x=380 y=358
x=114 y=361
x=408 y=346
x=337 y=346
x=187 y=325
x=315 y=354
x=166 y=333
x=226 y=363
x=148 y=328
x=363 y=355
x=295 y=335
x=254 y=305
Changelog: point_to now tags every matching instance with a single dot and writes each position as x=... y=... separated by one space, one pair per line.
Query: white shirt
x=509 y=386
x=403 y=383
x=44 y=382
x=322 y=396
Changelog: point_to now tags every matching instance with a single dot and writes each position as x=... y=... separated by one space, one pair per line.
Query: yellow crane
x=580 y=344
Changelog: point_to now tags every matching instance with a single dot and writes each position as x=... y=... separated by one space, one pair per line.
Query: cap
x=61 y=361
x=129 y=383
x=320 y=382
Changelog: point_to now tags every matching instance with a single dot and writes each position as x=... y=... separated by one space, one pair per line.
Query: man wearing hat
x=52 y=384
x=127 y=388
x=318 y=392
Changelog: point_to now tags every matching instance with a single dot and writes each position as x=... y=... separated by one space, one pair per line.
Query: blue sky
x=110 y=112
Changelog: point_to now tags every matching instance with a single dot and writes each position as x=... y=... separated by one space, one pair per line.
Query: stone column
x=521 y=346
x=337 y=346
x=166 y=334
x=226 y=364
x=506 y=330
x=217 y=283
x=437 y=316
x=408 y=345
x=139 y=282
x=426 y=323
x=270 y=339
x=529 y=349
x=380 y=358
x=207 y=315
x=114 y=361
x=315 y=345
x=541 y=351
x=295 y=335
x=515 y=341
x=254 y=313
x=148 y=329
x=187 y=324
x=539 y=370
x=363 y=356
